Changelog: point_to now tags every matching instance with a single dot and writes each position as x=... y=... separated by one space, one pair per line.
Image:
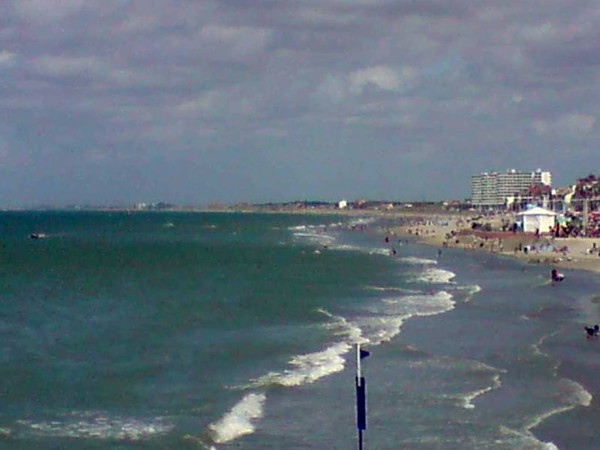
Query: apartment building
x=492 y=189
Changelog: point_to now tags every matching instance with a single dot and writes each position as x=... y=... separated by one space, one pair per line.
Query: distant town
x=509 y=191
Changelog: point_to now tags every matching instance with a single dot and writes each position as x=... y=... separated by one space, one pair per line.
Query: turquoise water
x=138 y=325
x=197 y=330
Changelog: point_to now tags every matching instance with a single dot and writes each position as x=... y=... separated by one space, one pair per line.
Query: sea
x=177 y=330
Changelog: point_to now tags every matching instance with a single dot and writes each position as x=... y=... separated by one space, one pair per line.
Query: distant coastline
x=434 y=224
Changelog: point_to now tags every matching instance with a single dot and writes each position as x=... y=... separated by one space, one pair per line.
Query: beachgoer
x=592 y=331
x=555 y=276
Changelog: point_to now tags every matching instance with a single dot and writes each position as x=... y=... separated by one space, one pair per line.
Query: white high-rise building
x=494 y=188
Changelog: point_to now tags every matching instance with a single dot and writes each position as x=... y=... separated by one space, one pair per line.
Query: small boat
x=37 y=235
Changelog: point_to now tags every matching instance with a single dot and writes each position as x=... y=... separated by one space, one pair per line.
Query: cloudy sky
x=199 y=101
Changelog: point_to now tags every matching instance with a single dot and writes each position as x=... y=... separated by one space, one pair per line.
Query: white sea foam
x=471 y=290
x=361 y=221
x=342 y=327
x=393 y=289
x=378 y=330
x=467 y=400
x=347 y=247
x=316 y=228
x=308 y=368
x=435 y=275
x=98 y=425
x=413 y=260
x=420 y=305
x=315 y=238
x=572 y=394
x=239 y=421
x=537 y=346
x=379 y=251
x=525 y=440
x=318 y=234
x=481 y=367
x=385 y=322
x=579 y=396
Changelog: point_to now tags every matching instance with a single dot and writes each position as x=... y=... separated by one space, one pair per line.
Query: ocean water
x=223 y=331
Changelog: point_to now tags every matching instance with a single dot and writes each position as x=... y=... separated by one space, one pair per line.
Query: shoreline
x=573 y=426
x=441 y=228
x=455 y=231
x=451 y=229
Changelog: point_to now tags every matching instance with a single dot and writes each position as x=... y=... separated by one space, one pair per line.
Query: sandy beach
x=455 y=231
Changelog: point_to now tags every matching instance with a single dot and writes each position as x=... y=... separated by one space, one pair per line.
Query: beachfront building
x=494 y=189
x=536 y=220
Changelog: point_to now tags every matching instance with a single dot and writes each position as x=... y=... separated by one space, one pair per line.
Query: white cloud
x=382 y=77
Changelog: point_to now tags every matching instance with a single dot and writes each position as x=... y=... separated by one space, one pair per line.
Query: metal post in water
x=361 y=397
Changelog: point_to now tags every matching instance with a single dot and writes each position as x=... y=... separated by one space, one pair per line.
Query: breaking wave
x=239 y=421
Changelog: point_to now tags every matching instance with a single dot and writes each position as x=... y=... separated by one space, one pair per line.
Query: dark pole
x=361 y=409
x=361 y=398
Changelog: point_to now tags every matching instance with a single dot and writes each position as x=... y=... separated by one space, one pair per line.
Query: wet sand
x=579 y=357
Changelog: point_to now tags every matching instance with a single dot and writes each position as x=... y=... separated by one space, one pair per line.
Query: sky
x=191 y=102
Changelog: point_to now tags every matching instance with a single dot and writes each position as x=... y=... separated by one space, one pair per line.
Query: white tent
x=537 y=219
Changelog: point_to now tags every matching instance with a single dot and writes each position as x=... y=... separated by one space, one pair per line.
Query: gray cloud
x=116 y=101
